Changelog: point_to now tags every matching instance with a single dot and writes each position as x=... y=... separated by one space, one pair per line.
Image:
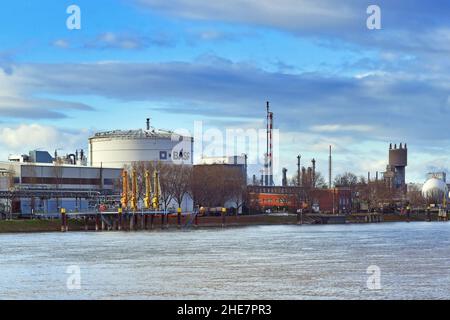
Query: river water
x=264 y=262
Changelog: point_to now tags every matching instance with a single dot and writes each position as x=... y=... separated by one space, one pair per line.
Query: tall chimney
x=309 y=174
x=313 y=178
x=303 y=177
x=284 y=182
x=298 y=171
x=148 y=124
x=329 y=170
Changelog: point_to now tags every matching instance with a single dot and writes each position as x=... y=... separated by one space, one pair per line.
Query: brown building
x=291 y=198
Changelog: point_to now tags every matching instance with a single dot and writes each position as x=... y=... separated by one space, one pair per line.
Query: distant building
x=395 y=174
x=438 y=175
x=291 y=198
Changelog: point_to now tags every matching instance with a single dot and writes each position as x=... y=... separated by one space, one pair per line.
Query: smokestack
x=310 y=182
x=254 y=179
x=299 y=157
x=303 y=177
x=148 y=124
x=284 y=182
x=368 y=177
x=266 y=173
x=329 y=170
x=376 y=176
x=313 y=180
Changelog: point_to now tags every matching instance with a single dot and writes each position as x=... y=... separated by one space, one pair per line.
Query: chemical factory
x=124 y=168
x=38 y=182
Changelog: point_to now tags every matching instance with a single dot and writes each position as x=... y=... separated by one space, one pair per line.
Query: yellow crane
x=134 y=191
x=156 y=190
x=124 y=199
x=148 y=190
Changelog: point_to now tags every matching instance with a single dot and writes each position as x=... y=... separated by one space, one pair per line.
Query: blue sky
x=330 y=79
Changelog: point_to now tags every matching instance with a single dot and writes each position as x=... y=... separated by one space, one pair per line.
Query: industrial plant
x=150 y=170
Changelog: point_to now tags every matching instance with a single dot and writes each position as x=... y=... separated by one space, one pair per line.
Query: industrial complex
x=124 y=169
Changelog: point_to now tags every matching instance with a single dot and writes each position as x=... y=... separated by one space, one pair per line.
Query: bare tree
x=237 y=187
x=415 y=197
x=180 y=177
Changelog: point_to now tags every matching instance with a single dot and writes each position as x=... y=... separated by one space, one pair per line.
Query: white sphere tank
x=116 y=149
x=435 y=190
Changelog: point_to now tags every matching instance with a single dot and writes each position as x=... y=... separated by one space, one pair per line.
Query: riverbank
x=54 y=225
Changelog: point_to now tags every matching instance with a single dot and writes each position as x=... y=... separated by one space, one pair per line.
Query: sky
x=330 y=79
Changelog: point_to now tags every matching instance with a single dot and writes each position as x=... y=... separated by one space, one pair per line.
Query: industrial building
x=291 y=198
x=38 y=182
x=119 y=148
x=34 y=187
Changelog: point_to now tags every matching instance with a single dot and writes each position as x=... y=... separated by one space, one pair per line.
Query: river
x=264 y=262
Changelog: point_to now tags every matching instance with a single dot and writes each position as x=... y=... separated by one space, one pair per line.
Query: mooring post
x=119 y=219
x=151 y=220
x=224 y=212
x=132 y=222
x=179 y=218
x=63 y=220
x=97 y=221
x=162 y=220
x=85 y=223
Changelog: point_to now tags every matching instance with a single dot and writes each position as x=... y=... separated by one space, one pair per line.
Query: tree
x=415 y=197
x=347 y=179
x=320 y=181
x=181 y=177
x=237 y=187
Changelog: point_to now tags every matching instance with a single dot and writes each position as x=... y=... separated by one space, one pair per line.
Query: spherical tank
x=435 y=190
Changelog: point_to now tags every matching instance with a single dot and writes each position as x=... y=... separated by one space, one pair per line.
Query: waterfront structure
x=120 y=148
x=45 y=188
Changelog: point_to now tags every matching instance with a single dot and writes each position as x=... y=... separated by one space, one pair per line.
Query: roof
x=135 y=134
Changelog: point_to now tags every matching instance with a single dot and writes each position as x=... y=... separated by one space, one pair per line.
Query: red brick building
x=291 y=198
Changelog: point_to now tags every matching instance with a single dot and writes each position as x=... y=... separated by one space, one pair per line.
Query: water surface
x=266 y=262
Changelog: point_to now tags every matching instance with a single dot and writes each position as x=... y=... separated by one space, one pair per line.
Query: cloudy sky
x=329 y=78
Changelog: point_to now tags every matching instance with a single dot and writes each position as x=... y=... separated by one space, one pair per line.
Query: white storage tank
x=435 y=190
x=115 y=149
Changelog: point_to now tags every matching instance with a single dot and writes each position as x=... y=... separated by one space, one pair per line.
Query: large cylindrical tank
x=434 y=190
x=398 y=157
x=115 y=149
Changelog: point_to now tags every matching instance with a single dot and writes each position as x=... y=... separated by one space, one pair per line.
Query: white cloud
x=25 y=137
x=341 y=128
x=61 y=43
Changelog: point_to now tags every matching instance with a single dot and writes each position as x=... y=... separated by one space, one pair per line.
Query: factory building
x=34 y=187
x=119 y=148
x=291 y=198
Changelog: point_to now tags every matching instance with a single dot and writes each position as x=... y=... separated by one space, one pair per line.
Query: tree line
x=207 y=185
